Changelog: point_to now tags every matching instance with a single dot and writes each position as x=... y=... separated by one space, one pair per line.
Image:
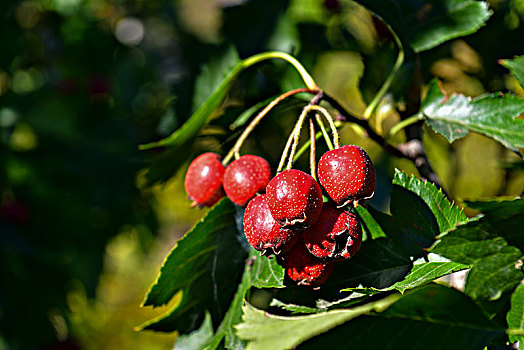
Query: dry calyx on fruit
x=336 y=235
x=286 y=215
x=262 y=231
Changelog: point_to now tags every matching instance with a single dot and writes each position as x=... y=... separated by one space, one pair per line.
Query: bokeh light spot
x=23 y=138
x=8 y=117
x=129 y=31
x=27 y=14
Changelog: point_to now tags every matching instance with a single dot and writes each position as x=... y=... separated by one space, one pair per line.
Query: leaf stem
x=412 y=150
x=384 y=88
x=515 y=331
x=296 y=136
x=404 y=123
x=286 y=151
x=329 y=118
x=236 y=148
x=201 y=115
x=305 y=146
x=324 y=132
x=306 y=77
x=312 y=149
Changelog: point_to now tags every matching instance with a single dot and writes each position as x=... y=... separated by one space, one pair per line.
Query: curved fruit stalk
x=336 y=236
x=262 y=231
x=245 y=177
x=294 y=199
x=347 y=174
x=203 y=180
x=304 y=268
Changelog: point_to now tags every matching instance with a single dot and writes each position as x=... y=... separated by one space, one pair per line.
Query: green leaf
x=370 y=226
x=189 y=130
x=516 y=67
x=515 y=316
x=295 y=309
x=213 y=74
x=419 y=275
x=483 y=243
x=415 y=220
x=431 y=317
x=196 y=339
x=266 y=331
x=260 y=272
x=424 y=273
x=189 y=257
x=267 y=273
x=447 y=214
x=505 y=217
x=430 y=23
x=205 y=265
x=207 y=97
x=165 y=164
x=382 y=262
x=378 y=264
x=493 y=115
x=316 y=300
x=233 y=316
x=495 y=274
x=394 y=322
x=248 y=113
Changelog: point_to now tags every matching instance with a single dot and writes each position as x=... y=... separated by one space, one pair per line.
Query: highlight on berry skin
x=263 y=233
x=245 y=177
x=294 y=199
x=285 y=216
x=347 y=174
x=203 y=181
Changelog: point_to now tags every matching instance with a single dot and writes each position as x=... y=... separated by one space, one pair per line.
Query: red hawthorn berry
x=261 y=230
x=304 y=268
x=245 y=177
x=347 y=174
x=294 y=199
x=336 y=235
x=203 y=181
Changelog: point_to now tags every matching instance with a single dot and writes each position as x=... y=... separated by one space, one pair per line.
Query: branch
x=411 y=150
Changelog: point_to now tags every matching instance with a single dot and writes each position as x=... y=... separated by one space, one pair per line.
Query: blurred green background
x=84 y=82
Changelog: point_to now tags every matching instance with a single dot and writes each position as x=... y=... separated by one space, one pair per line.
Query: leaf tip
x=148 y=146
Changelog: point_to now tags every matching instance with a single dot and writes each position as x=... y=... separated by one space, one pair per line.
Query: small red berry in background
x=294 y=199
x=245 y=177
x=336 y=235
x=262 y=231
x=347 y=174
x=304 y=268
x=203 y=180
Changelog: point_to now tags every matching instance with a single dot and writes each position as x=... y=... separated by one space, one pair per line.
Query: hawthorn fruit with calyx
x=294 y=199
x=203 y=180
x=290 y=219
x=336 y=236
x=347 y=174
x=304 y=268
x=262 y=232
x=245 y=177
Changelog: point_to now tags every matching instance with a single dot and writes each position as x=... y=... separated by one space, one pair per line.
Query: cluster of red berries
x=289 y=219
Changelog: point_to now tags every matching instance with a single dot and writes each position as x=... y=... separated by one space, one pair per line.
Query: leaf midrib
x=467 y=125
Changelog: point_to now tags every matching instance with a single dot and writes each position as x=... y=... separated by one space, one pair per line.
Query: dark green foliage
x=205 y=266
x=430 y=23
x=492 y=245
x=516 y=67
x=494 y=115
x=76 y=102
x=394 y=322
